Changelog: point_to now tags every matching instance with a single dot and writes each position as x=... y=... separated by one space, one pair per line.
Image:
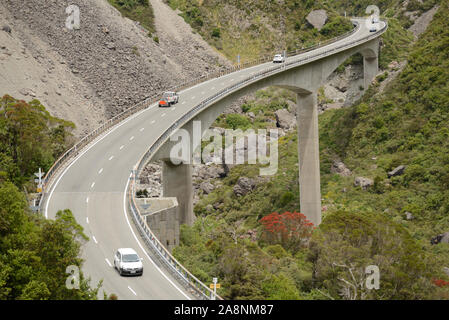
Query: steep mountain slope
x=253 y=28
x=107 y=65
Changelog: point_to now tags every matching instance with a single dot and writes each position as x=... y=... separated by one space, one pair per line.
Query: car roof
x=126 y=251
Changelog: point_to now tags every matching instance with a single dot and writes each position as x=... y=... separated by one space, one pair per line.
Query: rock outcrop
x=362 y=182
x=317 y=18
x=243 y=186
x=441 y=238
x=107 y=65
x=340 y=168
x=285 y=119
x=396 y=171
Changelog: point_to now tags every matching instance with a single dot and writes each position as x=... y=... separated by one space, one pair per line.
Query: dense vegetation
x=407 y=124
x=34 y=252
x=254 y=28
x=137 y=10
x=29 y=138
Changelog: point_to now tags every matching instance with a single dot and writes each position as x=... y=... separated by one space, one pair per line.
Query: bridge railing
x=147 y=233
x=198 y=287
x=87 y=139
x=253 y=78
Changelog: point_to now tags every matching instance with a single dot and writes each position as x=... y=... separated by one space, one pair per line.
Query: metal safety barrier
x=197 y=287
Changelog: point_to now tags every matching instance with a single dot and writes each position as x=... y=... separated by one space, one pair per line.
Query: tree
x=29 y=138
x=35 y=252
x=290 y=229
x=346 y=243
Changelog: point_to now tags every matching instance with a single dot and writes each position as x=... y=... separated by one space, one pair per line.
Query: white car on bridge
x=127 y=261
x=279 y=58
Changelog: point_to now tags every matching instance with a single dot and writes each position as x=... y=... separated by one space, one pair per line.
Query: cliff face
x=93 y=73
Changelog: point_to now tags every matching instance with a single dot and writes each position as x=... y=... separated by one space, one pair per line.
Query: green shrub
x=237 y=121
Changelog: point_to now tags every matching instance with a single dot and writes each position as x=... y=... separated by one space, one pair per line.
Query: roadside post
x=214 y=286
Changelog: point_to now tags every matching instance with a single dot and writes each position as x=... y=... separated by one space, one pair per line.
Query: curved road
x=93 y=187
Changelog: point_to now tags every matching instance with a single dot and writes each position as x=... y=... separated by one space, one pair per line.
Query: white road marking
x=193 y=97
x=87 y=219
x=140 y=245
x=87 y=149
x=202 y=92
x=93 y=237
x=101 y=170
x=87 y=200
x=174 y=108
x=111 y=157
x=107 y=261
x=92 y=185
x=183 y=102
x=84 y=151
x=131 y=139
x=163 y=115
x=141 y=129
x=213 y=88
x=122 y=147
x=132 y=291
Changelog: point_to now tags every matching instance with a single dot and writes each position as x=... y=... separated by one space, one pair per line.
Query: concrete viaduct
x=94 y=179
x=304 y=79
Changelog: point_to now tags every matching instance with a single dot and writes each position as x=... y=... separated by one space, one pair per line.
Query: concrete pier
x=177 y=182
x=309 y=157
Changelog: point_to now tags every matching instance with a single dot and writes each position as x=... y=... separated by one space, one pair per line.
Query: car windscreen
x=167 y=95
x=130 y=258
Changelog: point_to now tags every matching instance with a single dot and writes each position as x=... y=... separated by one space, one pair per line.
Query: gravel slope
x=91 y=74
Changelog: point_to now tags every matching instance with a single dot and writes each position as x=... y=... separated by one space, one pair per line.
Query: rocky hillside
x=254 y=28
x=91 y=74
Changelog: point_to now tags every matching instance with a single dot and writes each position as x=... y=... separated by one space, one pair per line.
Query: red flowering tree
x=292 y=230
x=440 y=283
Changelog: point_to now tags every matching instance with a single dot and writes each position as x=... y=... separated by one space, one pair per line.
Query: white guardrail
x=181 y=273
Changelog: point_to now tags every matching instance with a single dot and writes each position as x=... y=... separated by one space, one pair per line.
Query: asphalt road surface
x=93 y=188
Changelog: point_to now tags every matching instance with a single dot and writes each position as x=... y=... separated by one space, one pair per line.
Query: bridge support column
x=177 y=182
x=309 y=157
x=370 y=69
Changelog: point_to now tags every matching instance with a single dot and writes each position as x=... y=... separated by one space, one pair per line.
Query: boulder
x=317 y=18
x=396 y=171
x=243 y=186
x=207 y=187
x=393 y=65
x=6 y=29
x=363 y=182
x=340 y=168
x=408 y=215
x=443 y=238
x=285 y=119
x=111 y=45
